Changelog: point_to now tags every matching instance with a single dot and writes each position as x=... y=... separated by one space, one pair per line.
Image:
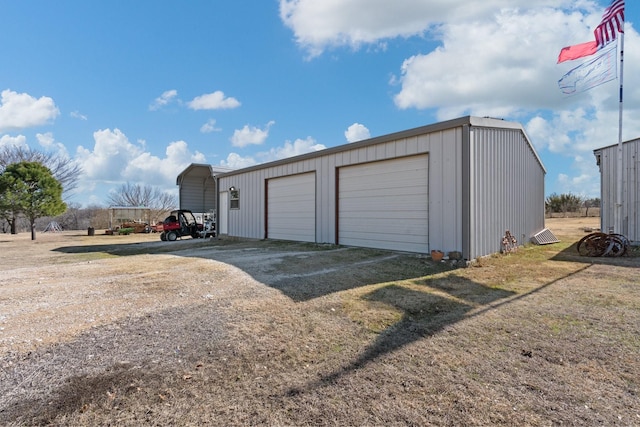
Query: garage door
x=291 y=208
x=385 y=205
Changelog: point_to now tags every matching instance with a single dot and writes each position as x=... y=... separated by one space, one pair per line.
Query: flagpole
x=620 y=181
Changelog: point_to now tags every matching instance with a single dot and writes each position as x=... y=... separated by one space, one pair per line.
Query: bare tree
x=77 y=218
x=136 y=195
x=591 y=203
x=98 y=216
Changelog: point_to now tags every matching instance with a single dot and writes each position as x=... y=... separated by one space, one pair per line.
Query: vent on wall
x=544 y=237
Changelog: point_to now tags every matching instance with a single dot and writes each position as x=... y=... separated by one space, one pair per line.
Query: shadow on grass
x=443 y=302
x=334 y=272
x=427 y=309
x=129 y=249
x=301 y=271
x=304 y=272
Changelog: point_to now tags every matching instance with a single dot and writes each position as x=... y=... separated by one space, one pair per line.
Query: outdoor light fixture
x=232 y=188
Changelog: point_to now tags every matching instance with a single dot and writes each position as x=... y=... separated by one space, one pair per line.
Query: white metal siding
x=291 y=208
x=191 y=191
x=608 y=158
x=385 y=204
x=445 y=186
x=463 y=189
x=506 y=189
x=197 y=193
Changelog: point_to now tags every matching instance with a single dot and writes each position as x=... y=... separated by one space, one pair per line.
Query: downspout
x=179 y=183
x=467 y=227
x=217 y=197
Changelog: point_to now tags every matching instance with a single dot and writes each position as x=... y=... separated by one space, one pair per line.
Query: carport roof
x=200 y=170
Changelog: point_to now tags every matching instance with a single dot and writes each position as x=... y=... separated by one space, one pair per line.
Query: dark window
x=234 y=198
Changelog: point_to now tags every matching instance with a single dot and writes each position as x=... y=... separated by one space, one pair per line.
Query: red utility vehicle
x=181 y=223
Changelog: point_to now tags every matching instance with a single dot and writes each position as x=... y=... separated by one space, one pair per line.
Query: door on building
x=223 y=213
x=385 y=204
x=291 y=208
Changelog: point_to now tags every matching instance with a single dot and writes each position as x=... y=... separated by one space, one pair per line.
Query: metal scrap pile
x=603 y=244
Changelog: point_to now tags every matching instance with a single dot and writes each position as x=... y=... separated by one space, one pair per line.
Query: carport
x=197 y=187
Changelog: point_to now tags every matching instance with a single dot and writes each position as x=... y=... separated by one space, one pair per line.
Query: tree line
x=567 y=202
x=34 y=186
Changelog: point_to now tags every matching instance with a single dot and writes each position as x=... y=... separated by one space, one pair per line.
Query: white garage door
x=291 y=208
x=385 y=205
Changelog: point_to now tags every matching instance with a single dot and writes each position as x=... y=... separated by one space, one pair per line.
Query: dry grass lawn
x=128 y=330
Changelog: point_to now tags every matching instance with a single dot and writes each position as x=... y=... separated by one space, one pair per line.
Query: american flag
x=611 y=24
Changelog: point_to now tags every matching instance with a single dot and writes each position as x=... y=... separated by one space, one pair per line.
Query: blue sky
x=135 y=91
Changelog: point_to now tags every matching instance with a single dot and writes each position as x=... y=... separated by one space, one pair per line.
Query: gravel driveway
x=78 y=313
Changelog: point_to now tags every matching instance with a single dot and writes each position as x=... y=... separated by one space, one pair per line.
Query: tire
x=163 y=236
x=172 y=236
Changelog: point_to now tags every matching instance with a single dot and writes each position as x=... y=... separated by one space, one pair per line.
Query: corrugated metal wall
x=608 y=160
x=506 y=189
x=197 y=187
x=484 y=178
x=445 y=181
x=198 y=194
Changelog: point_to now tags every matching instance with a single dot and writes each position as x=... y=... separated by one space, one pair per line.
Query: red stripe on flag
x=570 y=53
x=612 y=23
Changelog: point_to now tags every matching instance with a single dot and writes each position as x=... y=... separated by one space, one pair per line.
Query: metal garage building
x=197 y=187
x=454 y=186
x=607 y=160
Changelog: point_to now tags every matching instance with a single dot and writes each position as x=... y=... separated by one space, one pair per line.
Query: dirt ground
x=129 y=330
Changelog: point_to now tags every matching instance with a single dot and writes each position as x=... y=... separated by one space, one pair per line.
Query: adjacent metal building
x=454 y=186
x=197 y=187
x=607 y=160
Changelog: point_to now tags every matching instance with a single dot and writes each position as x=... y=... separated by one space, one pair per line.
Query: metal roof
x=486 y=122
x=595 y=151
x=202 y=170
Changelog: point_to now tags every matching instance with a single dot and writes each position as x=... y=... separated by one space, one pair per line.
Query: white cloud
x=250 y=135
x=213 y=101
x=501 y=66
x=357 y=132
x=49 y=143
x=46 y=140
x=21 y=110
x=318 y=25
x=114 y=159
x=290 y=149
x=236 y=161
x=78 y=115
x=209 y=127
x=164 y=99
x=13 y=141
x=504 y=65
x=162 y=171
x=110 y=155
x=582 y=184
